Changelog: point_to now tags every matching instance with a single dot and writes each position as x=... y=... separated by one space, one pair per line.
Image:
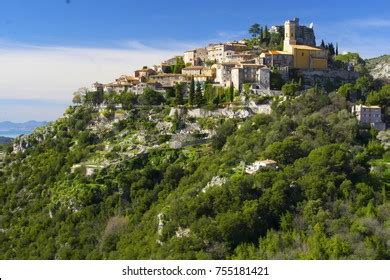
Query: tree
x=346 y=90
x=151 y=97
x=254 y=30
x=231 y=93
x=381 y=98
x=364 y=85
x=223 y=131
x=179 y=94
x=94 y=98
x=128 y=99
x=179 y=65
x=290 y=89
x=191 y=96
x=276 y=80
x=198 y=94
x=266 y=36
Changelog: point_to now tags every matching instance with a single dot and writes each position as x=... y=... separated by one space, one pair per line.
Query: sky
x=50 y=48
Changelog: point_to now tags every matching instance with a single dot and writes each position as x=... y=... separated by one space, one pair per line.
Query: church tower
x=290 y=30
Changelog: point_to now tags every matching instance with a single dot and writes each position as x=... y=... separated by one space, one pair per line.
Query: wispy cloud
x=351 y=37
x=369 y=23
x=53 y=73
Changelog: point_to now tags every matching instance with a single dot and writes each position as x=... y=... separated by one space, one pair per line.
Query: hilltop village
x=266 y=148
x=230 y=64
x=240 y=68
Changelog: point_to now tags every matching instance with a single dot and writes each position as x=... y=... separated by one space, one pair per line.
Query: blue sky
x=49 y=48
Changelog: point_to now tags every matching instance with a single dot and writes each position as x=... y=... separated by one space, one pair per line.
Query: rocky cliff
x=379 y=67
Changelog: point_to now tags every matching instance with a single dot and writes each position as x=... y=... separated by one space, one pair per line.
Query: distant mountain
x=379 y=67
x=5 y=140
x=26 y=126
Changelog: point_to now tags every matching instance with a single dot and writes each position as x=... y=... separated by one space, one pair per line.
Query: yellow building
x=308 y=57
x=304 y=56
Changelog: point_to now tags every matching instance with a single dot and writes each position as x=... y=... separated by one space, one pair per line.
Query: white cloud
x=369 y=23
x=36 y=72
x=352 y=38
x=51 y=74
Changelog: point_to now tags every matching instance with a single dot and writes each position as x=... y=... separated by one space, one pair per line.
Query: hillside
x=131 y=179
x=379 y=67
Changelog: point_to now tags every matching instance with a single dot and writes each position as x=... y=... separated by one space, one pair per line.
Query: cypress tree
x=178 y=95
x=191 y=96
x=231 y=93
x=198 y=94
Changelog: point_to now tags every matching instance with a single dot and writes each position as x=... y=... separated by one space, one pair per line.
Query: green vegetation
x=328 y=199
x=263 y=39
x=291 y=89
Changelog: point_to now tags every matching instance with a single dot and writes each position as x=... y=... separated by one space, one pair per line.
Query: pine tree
x=191 y=96
x=337 y=48
x=254 y=30
x=323 y=44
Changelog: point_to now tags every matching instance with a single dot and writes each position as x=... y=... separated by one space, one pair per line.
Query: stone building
x=169 y=80
x=237 y=74
x=140 y=88
x=219 y=52
x=144 y=73
x=126 y=80
x=192 y=70
x=224 y=73
x=97 y=87
x=297 y=34
x=369 y=115
x=245 y=57
x=195 y=57
x=256 y=74
x=199 y=71
x=300 y=42
x=276 y=58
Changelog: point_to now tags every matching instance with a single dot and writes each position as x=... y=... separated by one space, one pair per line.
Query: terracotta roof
x=305 y=47
x=276 y=52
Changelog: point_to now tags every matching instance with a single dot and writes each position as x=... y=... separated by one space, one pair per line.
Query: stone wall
x=312 y=77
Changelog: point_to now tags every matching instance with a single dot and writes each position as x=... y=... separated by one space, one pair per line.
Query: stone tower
x=290 y=29
x=297 y=35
